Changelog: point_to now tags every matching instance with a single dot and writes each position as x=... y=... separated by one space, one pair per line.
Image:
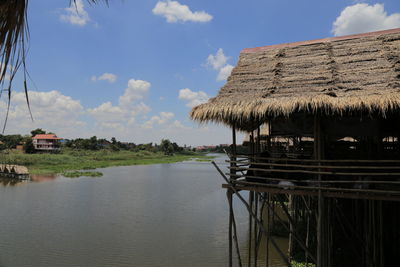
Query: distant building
x=46 y=142
x=204 y=148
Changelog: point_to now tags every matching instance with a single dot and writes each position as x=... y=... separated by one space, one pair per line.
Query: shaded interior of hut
x=353 y=159
x=343 y=137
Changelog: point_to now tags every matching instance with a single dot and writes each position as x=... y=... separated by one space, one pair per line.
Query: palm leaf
x=14 y=34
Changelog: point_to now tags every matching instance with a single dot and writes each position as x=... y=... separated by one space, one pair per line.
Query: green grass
x=73 y=160
x=203 y=160
x=301 y=264
x=74 y=174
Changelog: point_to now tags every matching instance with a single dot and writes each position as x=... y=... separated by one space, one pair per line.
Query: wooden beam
x=314 y=193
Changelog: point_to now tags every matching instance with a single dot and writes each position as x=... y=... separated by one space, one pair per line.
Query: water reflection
x=150 y=216
x=43 y=177
x=38 y=178
x=6 y=181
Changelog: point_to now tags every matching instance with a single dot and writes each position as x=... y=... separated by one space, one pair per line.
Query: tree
x=37 y=131
x=28 y=146
x=93 y=143
x=113 y=140
x=166 y=147
x=11 y=141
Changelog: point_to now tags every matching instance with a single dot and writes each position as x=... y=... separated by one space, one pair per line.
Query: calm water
x=154 y=215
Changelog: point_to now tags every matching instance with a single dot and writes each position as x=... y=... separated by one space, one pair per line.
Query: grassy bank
x=74 y=160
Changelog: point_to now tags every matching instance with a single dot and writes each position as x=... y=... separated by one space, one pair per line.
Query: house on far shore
x=46 y=142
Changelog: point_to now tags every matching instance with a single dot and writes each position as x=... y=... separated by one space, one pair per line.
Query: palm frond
x=14 y=34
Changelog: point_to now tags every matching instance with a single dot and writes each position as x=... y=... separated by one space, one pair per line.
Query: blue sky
x=133 y=69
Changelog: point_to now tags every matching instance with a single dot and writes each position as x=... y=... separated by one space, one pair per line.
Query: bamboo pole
x=251 y=197
x=231 y=186
x=319 y=172
x=270 y=163
x=324 y=160
x=255 y=229
x=268 y=201
x=251 y=202
x=229 y=196
x=233 y=154
x=351 y=194
x=317 y=156
x=235 y=238
x=291 y=226
x=229 y=193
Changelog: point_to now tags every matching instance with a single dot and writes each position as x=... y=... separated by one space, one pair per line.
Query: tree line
x=93 y=143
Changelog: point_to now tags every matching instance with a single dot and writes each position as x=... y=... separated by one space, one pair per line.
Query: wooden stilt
x=251 y=213
x=291 y=227
x=255 y=229
x=229 y=196
x=251 y=198
x=235 y=238
x=268 y=201
x=317 y=156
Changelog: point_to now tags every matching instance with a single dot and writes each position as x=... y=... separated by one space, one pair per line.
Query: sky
x=133 y=69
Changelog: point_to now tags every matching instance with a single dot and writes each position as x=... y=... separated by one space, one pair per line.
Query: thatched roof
x=332 y=75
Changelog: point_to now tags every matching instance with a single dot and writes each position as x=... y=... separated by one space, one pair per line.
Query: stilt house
x=338 y=101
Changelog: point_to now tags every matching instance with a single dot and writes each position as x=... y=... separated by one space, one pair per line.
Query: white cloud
x=64 y=115
x=173 y=11
x=76 y=14
x=162 y=118
x=106 y=112
x=140 y=108
x=111 y=78
x=178 y=125
x=51 y=111
x=136 y=90
x=224 y=72
x=219 y=63
x=193 y=98
x=218 y=60
x=361 y=18
x=124 y=114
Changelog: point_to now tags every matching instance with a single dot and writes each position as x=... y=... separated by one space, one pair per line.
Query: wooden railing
x=373 y=177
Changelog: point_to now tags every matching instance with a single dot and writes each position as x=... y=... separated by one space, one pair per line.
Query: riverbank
x=75 y=160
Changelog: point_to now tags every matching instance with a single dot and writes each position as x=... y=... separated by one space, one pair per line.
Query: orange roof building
x=46 y=142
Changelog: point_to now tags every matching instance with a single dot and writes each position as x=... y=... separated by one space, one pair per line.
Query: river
x=151 y=215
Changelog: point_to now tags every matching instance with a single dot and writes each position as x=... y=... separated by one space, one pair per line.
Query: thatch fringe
x=262 y=109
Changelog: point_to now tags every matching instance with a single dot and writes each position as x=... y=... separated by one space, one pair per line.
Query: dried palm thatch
x=14 y=34
x=333 y=75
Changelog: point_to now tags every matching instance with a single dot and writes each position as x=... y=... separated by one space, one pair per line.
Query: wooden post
x=230 y=193
x=255 y=228
x=268 y=200
x=234 y=140
x=229 y=196
x=317 y=156
x=291 y=228
x=251 y=200
x=258 y=141
x=233 y=153
x=269 y=136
